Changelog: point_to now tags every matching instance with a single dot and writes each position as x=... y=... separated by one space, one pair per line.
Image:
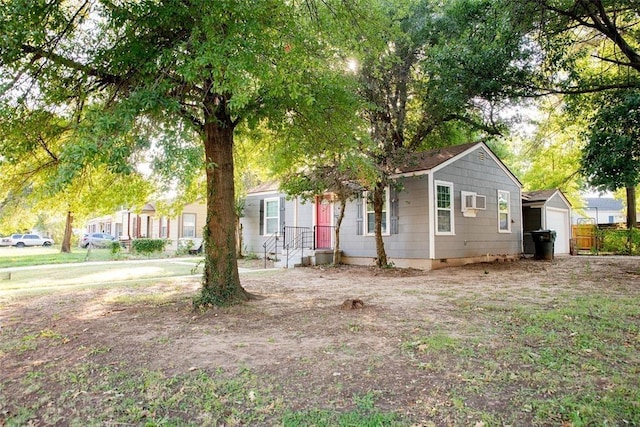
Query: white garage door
x=558 y=220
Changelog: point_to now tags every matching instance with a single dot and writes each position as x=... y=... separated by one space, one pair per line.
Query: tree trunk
x=336 y=248
x=66 y=240
x=631 y=217
x=221 y=282
x=378 y=202
x=631 y=208
x=239 y=242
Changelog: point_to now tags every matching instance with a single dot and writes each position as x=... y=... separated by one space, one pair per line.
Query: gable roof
x=542 y=196
x=538 y=195
x=604 y=203
x=428 y=160
x=432 y=160
x=265 y=187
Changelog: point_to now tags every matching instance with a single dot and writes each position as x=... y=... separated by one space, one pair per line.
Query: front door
x=324 y=228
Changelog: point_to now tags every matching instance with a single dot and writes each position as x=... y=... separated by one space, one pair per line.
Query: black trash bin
x=544 y=242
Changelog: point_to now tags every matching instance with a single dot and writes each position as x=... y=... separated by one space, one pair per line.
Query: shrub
x=114 y=248
x=184 y=247
x=148 y=246
x=620 y=241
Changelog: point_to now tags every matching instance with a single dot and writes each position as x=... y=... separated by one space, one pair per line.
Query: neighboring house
x=449 y=206
x=603 y=210
x=127 y=225
x=546 y=210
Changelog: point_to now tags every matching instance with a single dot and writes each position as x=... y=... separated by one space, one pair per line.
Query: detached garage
x=546 y=210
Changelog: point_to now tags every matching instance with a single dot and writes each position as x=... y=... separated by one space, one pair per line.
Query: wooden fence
x=584 y=236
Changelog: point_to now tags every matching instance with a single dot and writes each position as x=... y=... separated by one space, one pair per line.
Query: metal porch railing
x=271 y=246
x=296 y=240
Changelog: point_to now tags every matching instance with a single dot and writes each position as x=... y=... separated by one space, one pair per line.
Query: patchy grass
x=576 y=363
x=530 y=343
x=145 y=397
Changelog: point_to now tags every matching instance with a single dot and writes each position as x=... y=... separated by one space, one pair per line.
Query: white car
x=97 y=240
x=22 y=240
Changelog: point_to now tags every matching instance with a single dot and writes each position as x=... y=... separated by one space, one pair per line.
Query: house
x=603 y=210
x=546 y=210
x=448 y=206
x=129 y=224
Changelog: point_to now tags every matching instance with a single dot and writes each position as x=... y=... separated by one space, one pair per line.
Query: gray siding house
x=448 y=206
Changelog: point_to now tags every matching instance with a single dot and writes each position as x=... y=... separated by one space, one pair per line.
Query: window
x=444 y=208
x=271 y=215
x=164 y=227
x=471 y=203
x=504 y=212
x=188 y=225
x=370 y=217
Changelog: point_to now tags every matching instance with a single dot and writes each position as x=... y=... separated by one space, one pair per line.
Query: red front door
x=324 y=229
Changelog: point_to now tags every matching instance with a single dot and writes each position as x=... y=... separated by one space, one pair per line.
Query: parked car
x=22 y=240
x=6 y=241
x=96 y=240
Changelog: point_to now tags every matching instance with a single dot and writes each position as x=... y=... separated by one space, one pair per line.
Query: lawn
x=19 y=257
x=524 y=343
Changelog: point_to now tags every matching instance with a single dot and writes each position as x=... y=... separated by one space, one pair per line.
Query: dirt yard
x=305 y=348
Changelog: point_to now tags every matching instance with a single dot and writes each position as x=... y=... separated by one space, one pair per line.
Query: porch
x=297 y=246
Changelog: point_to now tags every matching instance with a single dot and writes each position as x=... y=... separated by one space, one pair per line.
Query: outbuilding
x=547 y=210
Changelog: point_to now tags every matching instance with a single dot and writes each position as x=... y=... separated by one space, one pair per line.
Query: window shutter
x=262 y=217
x=359 y=216
x=282 y=217
x=394 y=207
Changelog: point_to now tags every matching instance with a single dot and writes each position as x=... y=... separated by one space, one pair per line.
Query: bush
x=184 y=247
x=114 y=248
x=623 y=242
x=148 y=246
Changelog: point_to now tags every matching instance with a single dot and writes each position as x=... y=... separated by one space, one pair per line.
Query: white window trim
x=277 y=217
x=470 y=210
x=195 y=225
x=386 y=212
x=451 y=208
x=508 y=230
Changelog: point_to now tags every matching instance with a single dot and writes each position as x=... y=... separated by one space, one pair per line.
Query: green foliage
x=480 y=49
x=586 y=46
x=621 y=242
x=183 y=75
x=115 y=248
x=550 y=157
x=148 y=246
x=611 y=158
x=184 y=247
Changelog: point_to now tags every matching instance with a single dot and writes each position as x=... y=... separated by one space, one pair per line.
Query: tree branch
x=38 y=53
x=44 y=145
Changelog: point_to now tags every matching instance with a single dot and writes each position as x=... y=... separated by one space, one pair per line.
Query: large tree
x=126 y=71
x=436 y=75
